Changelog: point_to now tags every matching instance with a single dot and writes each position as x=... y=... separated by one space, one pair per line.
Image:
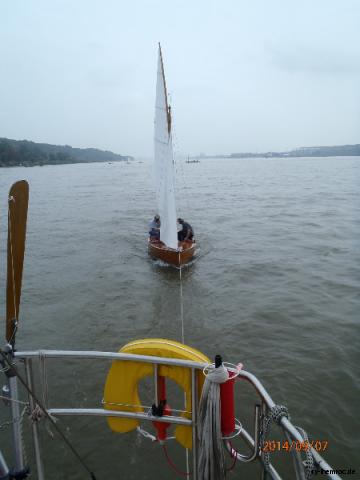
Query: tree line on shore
x=28 y=154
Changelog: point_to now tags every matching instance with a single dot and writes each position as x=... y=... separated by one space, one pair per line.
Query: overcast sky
x=244 y=75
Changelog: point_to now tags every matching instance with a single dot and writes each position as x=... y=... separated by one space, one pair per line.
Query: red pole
x=161 y=427
x=227 y=406
x=161 y=388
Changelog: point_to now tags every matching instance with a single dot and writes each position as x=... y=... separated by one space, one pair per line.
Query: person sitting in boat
x=154 y=228
x=186 y=232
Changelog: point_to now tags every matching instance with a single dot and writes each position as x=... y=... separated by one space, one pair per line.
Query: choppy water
x=275 y=285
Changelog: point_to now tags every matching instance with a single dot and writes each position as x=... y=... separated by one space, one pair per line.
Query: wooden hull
x=172 y=257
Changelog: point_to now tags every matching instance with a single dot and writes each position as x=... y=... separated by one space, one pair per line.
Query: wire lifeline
x=43 y=378
x=37 y=414
x=145 y=407
x=47 y=415
x=9 y=399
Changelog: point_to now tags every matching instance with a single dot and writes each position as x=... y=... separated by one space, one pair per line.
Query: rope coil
x=211 y=465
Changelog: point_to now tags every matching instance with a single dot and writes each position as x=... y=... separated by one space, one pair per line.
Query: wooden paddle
x=18 y=207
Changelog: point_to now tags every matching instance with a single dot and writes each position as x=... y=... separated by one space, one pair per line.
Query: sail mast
x=168 y=108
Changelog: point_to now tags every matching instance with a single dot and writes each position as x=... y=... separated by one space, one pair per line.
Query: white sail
x=164 y=162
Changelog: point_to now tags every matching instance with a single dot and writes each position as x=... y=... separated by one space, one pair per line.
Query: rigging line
x=179 y=166
x=12 y=338
x=43 y=378
x=47 y=415
x=145 y=407
x=10 y=399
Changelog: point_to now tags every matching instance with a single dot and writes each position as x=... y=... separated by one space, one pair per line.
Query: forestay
x=164 y=162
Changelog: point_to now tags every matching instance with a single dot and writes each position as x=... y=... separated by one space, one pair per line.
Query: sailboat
x=167 y=248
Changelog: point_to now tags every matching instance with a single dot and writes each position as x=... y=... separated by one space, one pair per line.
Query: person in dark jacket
x=154 y=228
x=187 y=232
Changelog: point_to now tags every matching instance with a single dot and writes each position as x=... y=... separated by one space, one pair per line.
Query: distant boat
x=168 y=248
x=194 y=160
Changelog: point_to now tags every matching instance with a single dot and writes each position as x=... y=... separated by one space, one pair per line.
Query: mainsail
x=164 y=162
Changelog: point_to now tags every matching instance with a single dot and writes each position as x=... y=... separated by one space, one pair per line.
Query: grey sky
x=243 y=75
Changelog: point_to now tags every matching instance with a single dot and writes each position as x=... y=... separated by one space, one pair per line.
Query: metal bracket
x=255 y=444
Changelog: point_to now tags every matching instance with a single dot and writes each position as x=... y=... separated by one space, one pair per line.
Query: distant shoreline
x=23 y=153
x=57 y=164
x=303 y=152
x=254 y=156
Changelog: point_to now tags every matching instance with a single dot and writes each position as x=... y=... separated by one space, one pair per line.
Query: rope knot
x=217 y=375
x=37 y=414
x=277 y=412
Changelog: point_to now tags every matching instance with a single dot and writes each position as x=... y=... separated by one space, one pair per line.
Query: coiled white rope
x=211 y=464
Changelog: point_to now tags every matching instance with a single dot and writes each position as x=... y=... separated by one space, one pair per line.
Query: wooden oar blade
x=18 y=207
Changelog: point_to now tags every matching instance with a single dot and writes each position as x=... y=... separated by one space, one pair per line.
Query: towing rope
x=181 y=304
x=182 y=341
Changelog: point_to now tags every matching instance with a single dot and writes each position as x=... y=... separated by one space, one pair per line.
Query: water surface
x=275 y=286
